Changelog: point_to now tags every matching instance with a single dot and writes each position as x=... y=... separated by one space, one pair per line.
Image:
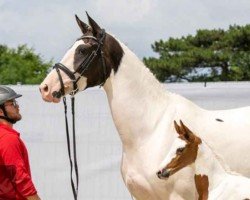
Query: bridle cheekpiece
x=82 y=67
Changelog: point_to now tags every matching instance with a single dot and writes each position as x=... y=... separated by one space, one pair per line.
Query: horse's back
x=228 y=133
x=242 y=113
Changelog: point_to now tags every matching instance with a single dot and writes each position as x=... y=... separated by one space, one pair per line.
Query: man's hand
x=33 y=197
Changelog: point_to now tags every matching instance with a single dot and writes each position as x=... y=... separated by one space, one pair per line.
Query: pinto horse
x=143 y=112
x=212 y=178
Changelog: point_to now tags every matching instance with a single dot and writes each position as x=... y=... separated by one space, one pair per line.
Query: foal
x=212 y=180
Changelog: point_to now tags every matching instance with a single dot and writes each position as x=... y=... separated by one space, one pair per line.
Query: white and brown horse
x=213 y=179
x=143 y=113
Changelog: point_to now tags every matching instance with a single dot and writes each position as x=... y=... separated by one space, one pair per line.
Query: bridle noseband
x=82 y=67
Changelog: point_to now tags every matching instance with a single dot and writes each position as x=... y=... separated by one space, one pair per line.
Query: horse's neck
x=207 y=163
x=137 y=100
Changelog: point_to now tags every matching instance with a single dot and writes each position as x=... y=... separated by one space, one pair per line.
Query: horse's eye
x=81 y=51
x=180 y=150
x=94 y=45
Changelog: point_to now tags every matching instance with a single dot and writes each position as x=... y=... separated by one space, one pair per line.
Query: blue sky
x=49 y=26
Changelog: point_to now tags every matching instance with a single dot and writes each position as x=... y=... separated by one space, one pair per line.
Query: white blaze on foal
x=212 y=178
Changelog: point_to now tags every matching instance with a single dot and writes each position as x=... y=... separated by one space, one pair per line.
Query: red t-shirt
x=15 y=175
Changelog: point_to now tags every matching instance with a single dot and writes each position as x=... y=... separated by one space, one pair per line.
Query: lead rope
x=74 y=187
x=74 y=140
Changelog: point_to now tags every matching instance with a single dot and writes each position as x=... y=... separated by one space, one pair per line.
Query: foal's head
x=182 y=153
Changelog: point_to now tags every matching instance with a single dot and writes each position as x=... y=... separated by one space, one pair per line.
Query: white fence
x=98 y=145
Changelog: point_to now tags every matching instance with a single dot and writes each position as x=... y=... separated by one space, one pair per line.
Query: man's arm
x=11 y=154
x=33 y=197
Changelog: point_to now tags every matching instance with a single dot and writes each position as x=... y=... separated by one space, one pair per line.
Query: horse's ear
x=188 y=134
x=185 y=128
x=180 y=131
x=177 y=128
x=95 y=27
x=84 y=27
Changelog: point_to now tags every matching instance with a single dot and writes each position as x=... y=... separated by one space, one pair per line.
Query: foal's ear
x=185 y=128
x=177 y=128
x=84 y=27
x=95 y=27
x=181 y=132
x=189 y=135
x=184 y=132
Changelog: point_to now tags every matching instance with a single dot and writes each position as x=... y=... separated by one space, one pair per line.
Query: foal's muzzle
x=163 y=174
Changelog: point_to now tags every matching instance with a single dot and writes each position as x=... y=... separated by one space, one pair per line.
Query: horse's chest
x=143 y=184
x=138 y=186
x=137 y=180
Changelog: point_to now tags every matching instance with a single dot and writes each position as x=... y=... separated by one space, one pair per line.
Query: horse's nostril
x=164 y=173
x=46 y=88
x=159 y=174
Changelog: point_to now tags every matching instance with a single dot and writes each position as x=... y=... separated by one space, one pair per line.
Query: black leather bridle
x=72 y=75
x=82 y=67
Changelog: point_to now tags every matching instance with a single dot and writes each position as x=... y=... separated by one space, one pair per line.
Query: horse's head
x=182 y=153
x=87 y=63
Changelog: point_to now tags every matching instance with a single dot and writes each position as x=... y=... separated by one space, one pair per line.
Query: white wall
x=99 y=148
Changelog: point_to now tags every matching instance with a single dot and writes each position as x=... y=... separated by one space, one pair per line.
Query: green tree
x=240 y=66
x=21 y=65
x=225 y=53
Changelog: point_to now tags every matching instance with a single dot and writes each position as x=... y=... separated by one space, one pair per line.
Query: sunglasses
x=13 y=103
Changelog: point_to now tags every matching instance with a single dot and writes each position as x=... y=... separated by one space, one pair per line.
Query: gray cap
x=7 y=94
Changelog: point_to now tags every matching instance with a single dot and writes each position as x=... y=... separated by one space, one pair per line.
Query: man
x=15 y=175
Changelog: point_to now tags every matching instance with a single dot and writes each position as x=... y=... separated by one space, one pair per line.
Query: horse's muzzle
x=57 y=94
x=162 y=174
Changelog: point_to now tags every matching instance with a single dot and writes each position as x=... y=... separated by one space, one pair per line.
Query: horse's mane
x=144 y=75
x=142 y=72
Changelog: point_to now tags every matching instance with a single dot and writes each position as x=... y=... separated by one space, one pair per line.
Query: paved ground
x=99 y=148
x=215 y=95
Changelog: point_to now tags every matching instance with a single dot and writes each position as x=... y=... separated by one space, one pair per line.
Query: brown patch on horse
x=111 y=47
x=201 y=184
x=114 y=52
x=188 y=155
x=186 y=134
x=98 y=70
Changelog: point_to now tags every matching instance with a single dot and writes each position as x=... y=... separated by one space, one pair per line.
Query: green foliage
x=225 y=55
x=21 y=65
x=240 y=66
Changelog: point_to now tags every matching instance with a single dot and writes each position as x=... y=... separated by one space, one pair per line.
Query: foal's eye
x=180 y=150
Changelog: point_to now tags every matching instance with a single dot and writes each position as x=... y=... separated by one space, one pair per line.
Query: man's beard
x=14 y=119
